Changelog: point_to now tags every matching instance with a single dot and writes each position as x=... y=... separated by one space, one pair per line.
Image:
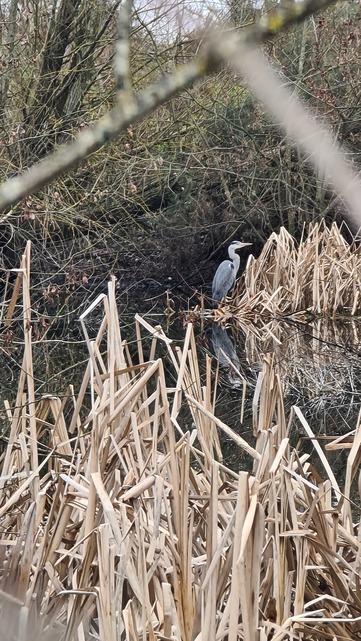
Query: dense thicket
x=155 y=206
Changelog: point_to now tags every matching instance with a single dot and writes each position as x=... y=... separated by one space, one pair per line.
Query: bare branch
x=216 y=52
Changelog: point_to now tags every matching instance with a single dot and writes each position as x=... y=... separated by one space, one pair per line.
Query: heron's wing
x=223 y=280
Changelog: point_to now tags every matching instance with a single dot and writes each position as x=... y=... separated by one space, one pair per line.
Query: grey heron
x=226 y=273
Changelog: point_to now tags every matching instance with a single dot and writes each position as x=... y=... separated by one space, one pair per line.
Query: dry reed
x=319 y=277
x=125 y=522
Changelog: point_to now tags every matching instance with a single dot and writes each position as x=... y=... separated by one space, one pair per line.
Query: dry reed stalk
x=138 y=530
x=321 y=275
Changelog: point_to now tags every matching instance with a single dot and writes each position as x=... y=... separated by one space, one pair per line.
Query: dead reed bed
x=120 y=520
x=321 y=276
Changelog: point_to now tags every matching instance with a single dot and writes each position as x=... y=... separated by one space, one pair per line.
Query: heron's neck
x=234 y=258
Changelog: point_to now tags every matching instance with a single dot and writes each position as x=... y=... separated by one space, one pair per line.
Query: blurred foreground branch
x=301 y=125
x=219 y=49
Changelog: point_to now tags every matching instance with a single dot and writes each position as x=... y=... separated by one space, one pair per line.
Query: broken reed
x=127 y=524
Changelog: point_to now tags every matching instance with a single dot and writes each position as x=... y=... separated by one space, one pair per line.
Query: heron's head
x=237 y=244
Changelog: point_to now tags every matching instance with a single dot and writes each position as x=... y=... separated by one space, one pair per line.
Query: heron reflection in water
x=226 y=273
x=225 y=352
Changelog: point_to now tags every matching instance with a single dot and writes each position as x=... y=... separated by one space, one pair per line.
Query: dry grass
x=121 y=521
